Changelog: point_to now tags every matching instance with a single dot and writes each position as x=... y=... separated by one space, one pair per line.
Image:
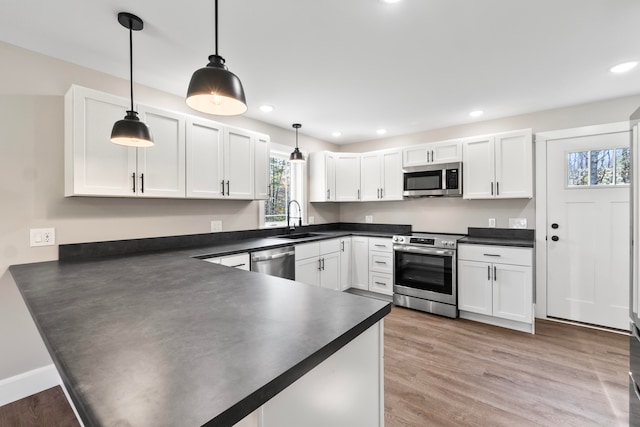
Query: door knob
x=554 y=226
x=555 y=238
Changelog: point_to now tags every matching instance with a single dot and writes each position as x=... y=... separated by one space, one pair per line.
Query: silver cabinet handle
x=222 y=183
x=358 y=194
x=433 y=158
x=228 y=190
x=381 y=193
x=380 y=283
x=142 y=183
x=238 y=265
x=427 y=156
x=319 y=264
x=133 y=176
x=495 y=255
x=342 y=246
x=497 y=188
x=328 y=194
x=495 y=274
x=488 y=272
x=380 y=246
x=323 y=263
x=492 y=188
x=380 y=262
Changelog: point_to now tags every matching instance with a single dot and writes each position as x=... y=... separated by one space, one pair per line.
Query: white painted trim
x=540 y=141
x=497 y=321
x=28 y=383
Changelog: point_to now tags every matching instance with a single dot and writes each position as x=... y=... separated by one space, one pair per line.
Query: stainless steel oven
x=425 y=276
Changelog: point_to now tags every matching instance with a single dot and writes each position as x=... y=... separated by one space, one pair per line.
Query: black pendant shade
x=214 y=89
x=296 y=156
x=130 y=131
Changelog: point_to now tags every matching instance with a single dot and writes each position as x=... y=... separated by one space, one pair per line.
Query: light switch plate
x=517 y=222
x=216 y=226
x=368 y=218
x=42 y=237
x=492 y=222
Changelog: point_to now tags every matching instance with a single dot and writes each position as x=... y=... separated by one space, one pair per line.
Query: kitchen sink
x=297 y=236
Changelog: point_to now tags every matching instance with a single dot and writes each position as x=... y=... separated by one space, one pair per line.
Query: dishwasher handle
x=255 y=258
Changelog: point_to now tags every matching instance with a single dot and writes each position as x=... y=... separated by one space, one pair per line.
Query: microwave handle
x=444 y=179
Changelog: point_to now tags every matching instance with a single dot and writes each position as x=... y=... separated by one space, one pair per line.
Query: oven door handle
x=425 y=251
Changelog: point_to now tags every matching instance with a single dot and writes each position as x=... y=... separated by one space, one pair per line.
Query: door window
x=605 y=167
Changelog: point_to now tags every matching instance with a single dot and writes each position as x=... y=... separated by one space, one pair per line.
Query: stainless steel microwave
x=433 y=180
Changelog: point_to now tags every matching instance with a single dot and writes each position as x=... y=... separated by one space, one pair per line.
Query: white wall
x=454 y=215
x=32 y=87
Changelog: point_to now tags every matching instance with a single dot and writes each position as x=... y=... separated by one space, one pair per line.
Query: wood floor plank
x=48 y=408
x=456 y=372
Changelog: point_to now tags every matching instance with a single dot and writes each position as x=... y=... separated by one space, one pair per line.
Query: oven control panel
x=432 y=241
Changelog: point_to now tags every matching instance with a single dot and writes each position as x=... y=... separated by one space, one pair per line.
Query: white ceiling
x=356 y=65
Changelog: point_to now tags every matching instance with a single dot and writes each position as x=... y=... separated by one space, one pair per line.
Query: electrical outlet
x=517 y=222
x=368 y=218
x=42 y=237
x=492 y=222
x=216 y=226
x=311 y=220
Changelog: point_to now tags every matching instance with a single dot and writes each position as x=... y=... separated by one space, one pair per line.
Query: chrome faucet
x=289 y=215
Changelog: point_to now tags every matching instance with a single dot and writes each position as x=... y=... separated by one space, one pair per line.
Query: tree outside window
x=280 y=190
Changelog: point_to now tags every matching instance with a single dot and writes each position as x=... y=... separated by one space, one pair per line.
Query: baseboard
x=31 y=382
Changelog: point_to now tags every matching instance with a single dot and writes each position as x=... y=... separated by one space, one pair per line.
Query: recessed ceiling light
x=266 y=108
x=381 y=131
x=336 y=134
x=623 y=68
x=390 y=1
x=476 y=113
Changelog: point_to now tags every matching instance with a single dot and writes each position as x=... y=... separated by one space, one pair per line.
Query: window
x=594 y=168
x=286 y=183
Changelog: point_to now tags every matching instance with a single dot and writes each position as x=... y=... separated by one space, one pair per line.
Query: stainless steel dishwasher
x=278 y=262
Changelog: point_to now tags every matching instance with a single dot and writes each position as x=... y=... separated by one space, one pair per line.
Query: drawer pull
x=380 y=283
x=238 y=265
x=494 y=255
x=380 y=262
x=380 y=246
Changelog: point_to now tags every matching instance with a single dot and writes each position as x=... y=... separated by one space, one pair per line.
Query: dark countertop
x=166 y=339
x=499 y=237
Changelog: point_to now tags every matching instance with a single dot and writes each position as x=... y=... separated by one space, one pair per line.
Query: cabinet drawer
x=240 y=261
x=329 y=246
x=381 y=282
x=380 y=245
x=381 y=262
x=307 y=250
x=497 y=254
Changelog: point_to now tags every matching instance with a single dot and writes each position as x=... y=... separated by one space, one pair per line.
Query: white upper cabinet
x=205 y=159
x=381 y=175
x=347 y=177
x=322 y=177
x=432 y=153
x=261 y=161
x=94 y=166
x=161 y=168
x=498 y=166
x=238 y=157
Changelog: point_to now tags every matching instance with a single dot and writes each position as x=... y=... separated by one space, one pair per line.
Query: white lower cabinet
x=347 y=389
x=345 y=263
x=239 y=261
x=495 y=285
x=381 y=265
x=318 y=263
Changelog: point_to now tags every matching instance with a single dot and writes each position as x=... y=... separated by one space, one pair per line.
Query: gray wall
x=454 y=215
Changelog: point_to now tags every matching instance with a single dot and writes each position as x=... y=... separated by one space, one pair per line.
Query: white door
x=239 y=151
x=347 y=177
x=391 y=176
x=161 y=168
x=204 y=159
x=370 y=176
x=588 y=229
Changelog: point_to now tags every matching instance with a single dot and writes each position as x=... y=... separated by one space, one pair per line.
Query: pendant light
x=296 y=156
x=130 y=131
x=214 y=89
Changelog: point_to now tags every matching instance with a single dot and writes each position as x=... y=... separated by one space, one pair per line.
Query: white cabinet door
x=238 y=170
x=94 y=166
x=415 y=155
x=446 y=151
x=330 y=273
x=392 y=177
x=308 y=271
x=345 y=263
x=205 y=159
x=262 y=146
x=161 y=168
x=347 y=177
x=512 y=292
x=370 y=176
x=478 y=173
x=360 y=262
x=475 y=292
x=322 y=177
x=514 y=165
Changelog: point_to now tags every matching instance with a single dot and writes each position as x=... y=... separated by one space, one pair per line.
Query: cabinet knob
x=555 y=238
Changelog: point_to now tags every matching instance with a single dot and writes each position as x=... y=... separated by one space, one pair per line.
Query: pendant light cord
x=215 y=18
x=131 y=60
x=296 y=137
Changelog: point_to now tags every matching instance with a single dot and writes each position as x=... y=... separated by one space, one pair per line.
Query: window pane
x=280 y=180
x=601 y=167
x=623 y=165
x=578 y=168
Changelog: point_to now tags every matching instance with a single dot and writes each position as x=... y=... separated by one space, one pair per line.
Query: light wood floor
x=445 y=372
